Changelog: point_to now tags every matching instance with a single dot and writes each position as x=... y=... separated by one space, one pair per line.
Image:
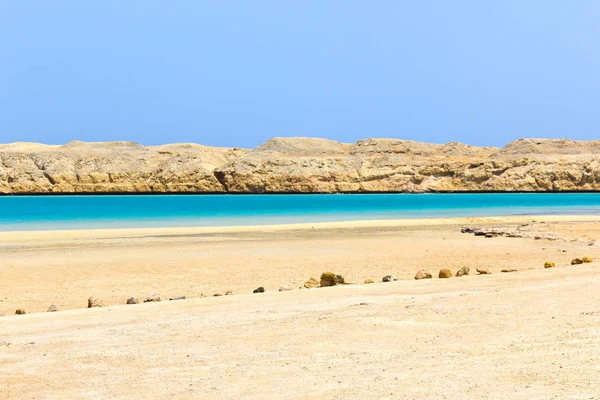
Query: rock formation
x=300 y=165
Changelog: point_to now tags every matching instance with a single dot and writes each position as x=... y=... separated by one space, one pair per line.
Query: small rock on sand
x=259 y=290
x=509 y=270
x=311 y=283
x=93 y=301
x=483 y=271
x=20 y=311
x=285 y=288
x=423 y=274
x=217 y=294
x=463 y=271
x=587 y=259
x=229 y=293
x=389 y=278
x=52 y=308
x=549 y=264
x=445 y=273
x=331 y=279
x=152 y=297
x=132 y=300
x=576 y=261
x=177 y=298
x=368 y=281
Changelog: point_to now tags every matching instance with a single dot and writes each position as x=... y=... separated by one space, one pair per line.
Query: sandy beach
x=529 y=334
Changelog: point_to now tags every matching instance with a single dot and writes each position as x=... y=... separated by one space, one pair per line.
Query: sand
x=530 y=334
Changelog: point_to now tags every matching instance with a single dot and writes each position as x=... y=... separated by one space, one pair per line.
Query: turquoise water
x=93 y=212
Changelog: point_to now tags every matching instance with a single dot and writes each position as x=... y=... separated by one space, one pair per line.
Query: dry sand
x=530 y=334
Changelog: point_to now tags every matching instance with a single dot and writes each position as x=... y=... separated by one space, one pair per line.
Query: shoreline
x=7 y=236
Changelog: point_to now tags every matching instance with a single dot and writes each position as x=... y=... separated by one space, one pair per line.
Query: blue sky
x=236 y=73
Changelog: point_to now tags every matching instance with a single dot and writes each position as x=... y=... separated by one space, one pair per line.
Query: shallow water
x=94 y=212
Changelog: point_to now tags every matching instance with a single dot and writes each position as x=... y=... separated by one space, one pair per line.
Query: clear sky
x=235 y=73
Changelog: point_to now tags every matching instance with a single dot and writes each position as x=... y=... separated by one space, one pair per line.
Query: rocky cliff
x=300 y=165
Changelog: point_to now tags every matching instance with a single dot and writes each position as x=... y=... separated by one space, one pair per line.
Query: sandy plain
x=530 y=334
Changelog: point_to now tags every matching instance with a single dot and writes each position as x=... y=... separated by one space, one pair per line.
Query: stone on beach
x=509 y=270
x=132 y=300
x=549 y=264
x=20 y=311
x=331 y=279
x=483 y=271
x=576 y=261
x=229 y=293
x=445 y=273
x=152 y=298
x=368 y=281
x=52 y=308
x=423 y=274
x=259 y=290
x=463 y=271
x=177 y=298
x=311 y=283
x=389 y=278
x=587 y=259
x=285 y=288
x=93 y=301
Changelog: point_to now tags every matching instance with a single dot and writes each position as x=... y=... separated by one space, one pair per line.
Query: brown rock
x=463 y=271
x=549 y=264
x=217 y=294
x=509 y=270
x=445 y=273
x=95 y=302
x=483 y=271
x=20 y=311
x=576 y=261
x=311 y=283
x=229 y=293
x=423 y=274
x=389 y=278
x=52 y=308
x=587 y=259
x=331 y=279
x=368 y=281
x=259 y=290
x=132 y=300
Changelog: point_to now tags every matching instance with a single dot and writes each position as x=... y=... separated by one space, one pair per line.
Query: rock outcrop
x=119 y=167
x=300 y=165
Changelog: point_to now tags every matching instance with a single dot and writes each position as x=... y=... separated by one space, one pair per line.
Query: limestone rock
x=549 y=264
x=52 y=308
x=152 y=298
x=483 y=271
x=423 y=274
x=331 y=279
x=463 y=271
x=389 y=278
x=132 y=300
x=93 y=301
x=20 y=311
x=587 y=259
x=576 y=261
x=445 y=273
x=259 y=290
x=311 y=283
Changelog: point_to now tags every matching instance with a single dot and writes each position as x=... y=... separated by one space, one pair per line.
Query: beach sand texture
x=530 y=334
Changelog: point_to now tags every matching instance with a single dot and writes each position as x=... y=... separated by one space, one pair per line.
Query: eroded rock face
x=300 y=165
x=111 y=167
x=390 y=165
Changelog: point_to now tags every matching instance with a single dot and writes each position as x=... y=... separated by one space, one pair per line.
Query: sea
x=18 y=213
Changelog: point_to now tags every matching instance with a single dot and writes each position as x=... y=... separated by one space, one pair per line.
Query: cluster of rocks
x=327 y=279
